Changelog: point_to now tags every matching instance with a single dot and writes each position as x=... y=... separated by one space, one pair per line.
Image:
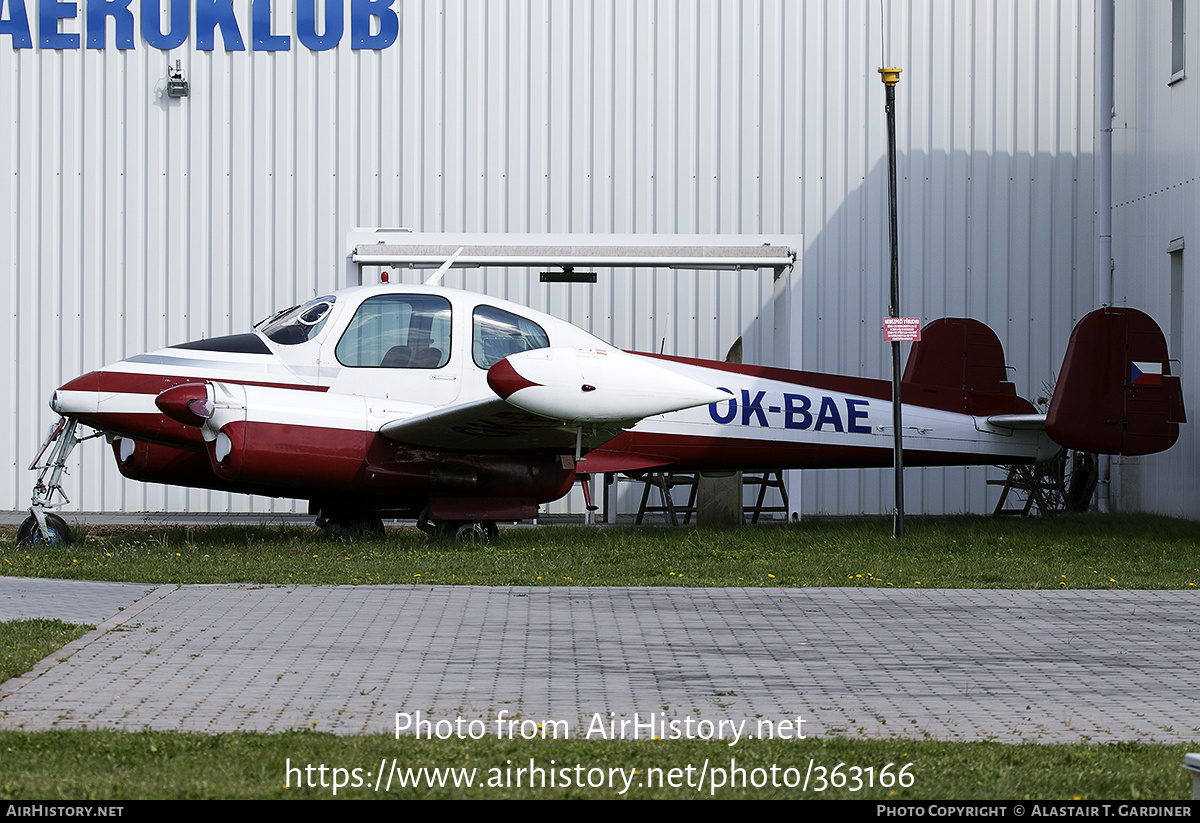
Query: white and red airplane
x=461 y=410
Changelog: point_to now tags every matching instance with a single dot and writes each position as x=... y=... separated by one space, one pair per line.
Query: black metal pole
x=890 y=77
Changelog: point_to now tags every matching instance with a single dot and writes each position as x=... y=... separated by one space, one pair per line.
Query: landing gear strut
x=44 y=527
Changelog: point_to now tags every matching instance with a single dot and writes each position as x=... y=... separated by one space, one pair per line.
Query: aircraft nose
x=78 y=396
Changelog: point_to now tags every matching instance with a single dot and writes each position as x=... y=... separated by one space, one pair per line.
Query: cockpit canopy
x=399 y=330
x=299 y=323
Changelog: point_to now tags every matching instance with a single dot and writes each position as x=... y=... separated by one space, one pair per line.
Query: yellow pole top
x=890 y=76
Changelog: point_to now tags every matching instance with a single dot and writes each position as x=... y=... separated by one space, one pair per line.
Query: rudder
x=958 y=365
x=1115 y=394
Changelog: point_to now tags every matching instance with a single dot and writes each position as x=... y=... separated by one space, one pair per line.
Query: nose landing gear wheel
x=60 y=532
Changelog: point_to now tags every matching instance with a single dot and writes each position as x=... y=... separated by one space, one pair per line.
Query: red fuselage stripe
x=733 y=454
x=116 y=382
x=941 y=398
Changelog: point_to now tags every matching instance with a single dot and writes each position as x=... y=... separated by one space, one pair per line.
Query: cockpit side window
x=298 y=324
x=496 y=334
x=398 y=331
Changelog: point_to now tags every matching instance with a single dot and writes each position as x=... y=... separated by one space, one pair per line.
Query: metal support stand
x=764 y=481
x=1065 y=482
x=1041 y=488
x=665 y=482
x=606 y=482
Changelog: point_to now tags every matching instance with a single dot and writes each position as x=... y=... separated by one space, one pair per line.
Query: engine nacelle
x=285 y=437
x=326 y=446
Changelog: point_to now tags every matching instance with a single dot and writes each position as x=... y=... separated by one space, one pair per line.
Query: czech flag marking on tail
x=1146 y=374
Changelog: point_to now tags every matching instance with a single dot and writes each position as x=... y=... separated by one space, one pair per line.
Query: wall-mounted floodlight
x=567 y=275
x=176 y=85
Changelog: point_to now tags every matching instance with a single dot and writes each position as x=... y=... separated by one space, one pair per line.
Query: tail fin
x=958 y=365
x=1115 y=394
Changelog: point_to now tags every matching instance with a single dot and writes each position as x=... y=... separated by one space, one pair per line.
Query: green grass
x=129 y=766
x=24 y=642
x=1067 y=552
x=1072 y=552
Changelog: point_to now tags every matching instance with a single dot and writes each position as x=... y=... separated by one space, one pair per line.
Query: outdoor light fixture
x=176 y=85
x=567 y=275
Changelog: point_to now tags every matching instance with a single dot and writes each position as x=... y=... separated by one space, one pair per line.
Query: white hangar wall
x=142 y=221
x=1156 y=224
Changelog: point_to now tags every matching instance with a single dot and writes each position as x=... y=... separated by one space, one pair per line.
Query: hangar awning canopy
x=778 y=254
x=400 y=248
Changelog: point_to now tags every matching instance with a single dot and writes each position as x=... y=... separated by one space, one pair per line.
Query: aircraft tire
x=1081 y=485
x=351 y=528
x=60 y=532
x=475 y=531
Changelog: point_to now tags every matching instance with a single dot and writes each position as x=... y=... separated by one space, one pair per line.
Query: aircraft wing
x=545 y=398
x=495 y=425
x=491 y=425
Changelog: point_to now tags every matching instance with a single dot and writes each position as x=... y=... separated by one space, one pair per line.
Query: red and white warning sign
x=902 y=329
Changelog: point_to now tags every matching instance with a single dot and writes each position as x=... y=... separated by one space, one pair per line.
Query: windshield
x=497 y=334
x=299 y=323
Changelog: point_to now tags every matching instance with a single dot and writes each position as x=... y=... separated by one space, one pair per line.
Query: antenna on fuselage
x=434 y=278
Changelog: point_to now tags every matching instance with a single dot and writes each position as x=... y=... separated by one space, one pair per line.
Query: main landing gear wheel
x=351 y=528
x=60 y=532
x=464 y=531
x=477 y=531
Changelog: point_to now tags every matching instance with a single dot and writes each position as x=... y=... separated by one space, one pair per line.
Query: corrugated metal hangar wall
x=142 y=220
x=1156 y=223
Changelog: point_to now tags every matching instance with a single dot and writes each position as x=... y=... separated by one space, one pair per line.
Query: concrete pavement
x=1058 y=666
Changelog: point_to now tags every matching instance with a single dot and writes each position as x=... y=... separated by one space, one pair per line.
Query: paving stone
x=947 y=664
x=71 y=601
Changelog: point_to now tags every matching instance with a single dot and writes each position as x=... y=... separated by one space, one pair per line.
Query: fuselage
x=298 y=406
